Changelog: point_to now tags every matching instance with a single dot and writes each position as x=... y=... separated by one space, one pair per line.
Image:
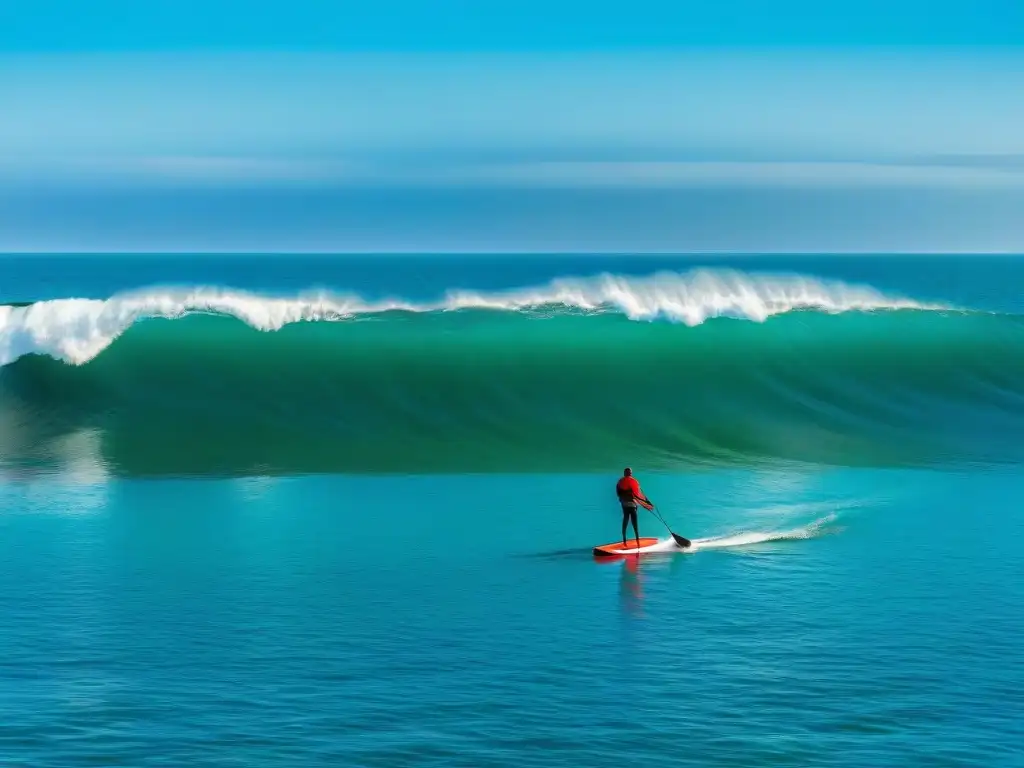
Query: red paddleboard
x=616 y=549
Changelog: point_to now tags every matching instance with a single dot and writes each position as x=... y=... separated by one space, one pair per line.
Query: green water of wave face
x=494 y=391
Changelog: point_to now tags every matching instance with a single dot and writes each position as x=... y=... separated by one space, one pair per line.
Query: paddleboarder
x=629 y=493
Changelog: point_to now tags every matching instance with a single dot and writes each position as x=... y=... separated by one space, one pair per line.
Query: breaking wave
x=76 y=330
x=672 y=371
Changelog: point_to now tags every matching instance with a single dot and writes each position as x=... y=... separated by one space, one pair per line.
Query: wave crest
x=77 y=330
x=692 y=297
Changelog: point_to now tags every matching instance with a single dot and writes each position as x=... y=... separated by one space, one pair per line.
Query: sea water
x=280 y=511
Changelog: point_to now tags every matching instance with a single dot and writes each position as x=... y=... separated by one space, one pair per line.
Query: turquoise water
x=181 y=586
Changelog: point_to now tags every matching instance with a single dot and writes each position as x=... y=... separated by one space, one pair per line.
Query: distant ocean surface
x=325 y=510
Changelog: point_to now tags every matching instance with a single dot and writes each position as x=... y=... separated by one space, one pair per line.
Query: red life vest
x=627 y=489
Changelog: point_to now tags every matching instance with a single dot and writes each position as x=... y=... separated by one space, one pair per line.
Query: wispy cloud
x=737 y=175
x=234 y=171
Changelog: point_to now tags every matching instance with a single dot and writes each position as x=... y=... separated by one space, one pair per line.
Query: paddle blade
x=682 y=542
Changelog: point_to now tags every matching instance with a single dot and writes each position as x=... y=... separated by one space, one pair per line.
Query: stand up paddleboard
x=646 y=545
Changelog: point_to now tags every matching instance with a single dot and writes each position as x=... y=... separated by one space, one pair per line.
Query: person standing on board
x=629 y=493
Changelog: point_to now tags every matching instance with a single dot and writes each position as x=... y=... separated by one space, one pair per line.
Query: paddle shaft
x=680 y=540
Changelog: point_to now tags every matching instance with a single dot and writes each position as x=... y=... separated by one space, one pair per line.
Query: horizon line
x=511 y=252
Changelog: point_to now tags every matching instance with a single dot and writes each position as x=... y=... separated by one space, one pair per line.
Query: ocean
x=339 y=510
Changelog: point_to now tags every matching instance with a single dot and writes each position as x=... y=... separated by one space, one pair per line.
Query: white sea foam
x=749 y=538
x=76 y=330
x=691 y=297
x=744 y=539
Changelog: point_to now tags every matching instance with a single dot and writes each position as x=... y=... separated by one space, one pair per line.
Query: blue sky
x=225 y=125
x=500 y=25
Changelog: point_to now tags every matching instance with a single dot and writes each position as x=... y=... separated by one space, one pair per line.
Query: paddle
x=680 y=540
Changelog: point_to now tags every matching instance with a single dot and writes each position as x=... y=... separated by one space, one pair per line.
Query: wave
x=76 y=330
x=558 y=378
x=750 y=538
x=667 y=547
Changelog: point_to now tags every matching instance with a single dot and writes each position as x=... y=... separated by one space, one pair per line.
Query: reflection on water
x=69 y=478
x=639 y=573
x=631 y=586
